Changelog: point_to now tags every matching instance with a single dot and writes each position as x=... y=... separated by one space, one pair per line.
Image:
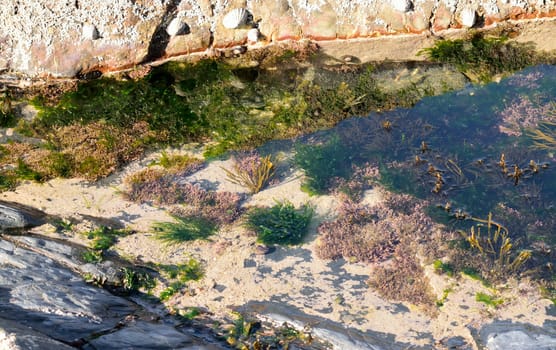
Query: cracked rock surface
x=45 y=305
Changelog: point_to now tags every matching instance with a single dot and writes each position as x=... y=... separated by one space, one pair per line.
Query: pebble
x=263 y=249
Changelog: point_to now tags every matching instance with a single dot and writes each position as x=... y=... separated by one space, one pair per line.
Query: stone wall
x=62 y=38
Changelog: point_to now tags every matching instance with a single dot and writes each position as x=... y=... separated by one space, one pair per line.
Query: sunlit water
x=470 y=152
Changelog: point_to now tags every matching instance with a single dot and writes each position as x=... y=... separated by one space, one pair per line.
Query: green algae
x=488 y=299
x=184 y=229
x=481 y=58
x=280 y=224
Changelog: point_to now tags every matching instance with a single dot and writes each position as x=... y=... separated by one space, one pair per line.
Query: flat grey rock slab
x=13 y=215
x=505 y=335
x=42 y=295
x=336 y=334
x=143 y=335
x=14 y=336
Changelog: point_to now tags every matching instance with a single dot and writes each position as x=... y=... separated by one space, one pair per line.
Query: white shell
x=402 y=5
x=253 y=35
x=89 y=32
x=175 y=27
x=468 y=17
x=235 y=18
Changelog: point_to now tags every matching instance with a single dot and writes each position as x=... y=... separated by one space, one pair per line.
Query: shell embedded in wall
x=89 y=32
x=235 y=18
x=402 y=5
x=468 y=17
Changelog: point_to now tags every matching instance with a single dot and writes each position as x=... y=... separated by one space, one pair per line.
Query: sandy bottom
x=235 y=275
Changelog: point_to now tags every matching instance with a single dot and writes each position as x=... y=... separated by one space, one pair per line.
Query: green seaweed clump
x=7 y=116
x=133 y=280
x=184 y=229
x=172 y=289
x=120 y=103
x=481 y=58
x=192 y=270
x=244 y=333
x=281 y=224
x=102 y=238
x=180 y=274
x=488 y=300
x=8 y=181
x=323 y=163
x=441 y=267
x=177 y=162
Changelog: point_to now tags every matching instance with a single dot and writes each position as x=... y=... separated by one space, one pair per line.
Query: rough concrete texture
x=65 y=38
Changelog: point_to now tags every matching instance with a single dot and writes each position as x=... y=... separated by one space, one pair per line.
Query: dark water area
x=487 y=149
x=481 y=156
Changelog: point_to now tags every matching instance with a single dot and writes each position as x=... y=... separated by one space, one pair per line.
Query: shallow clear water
x=468 y=152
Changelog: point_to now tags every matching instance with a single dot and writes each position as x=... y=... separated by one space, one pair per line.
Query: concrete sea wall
x=52 y=38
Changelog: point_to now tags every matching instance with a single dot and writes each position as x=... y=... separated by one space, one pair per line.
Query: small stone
x=239 y=50
x=177 y=27
x=263 y=249
x=453 y=343
x=339 y=299
x=350 y=59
